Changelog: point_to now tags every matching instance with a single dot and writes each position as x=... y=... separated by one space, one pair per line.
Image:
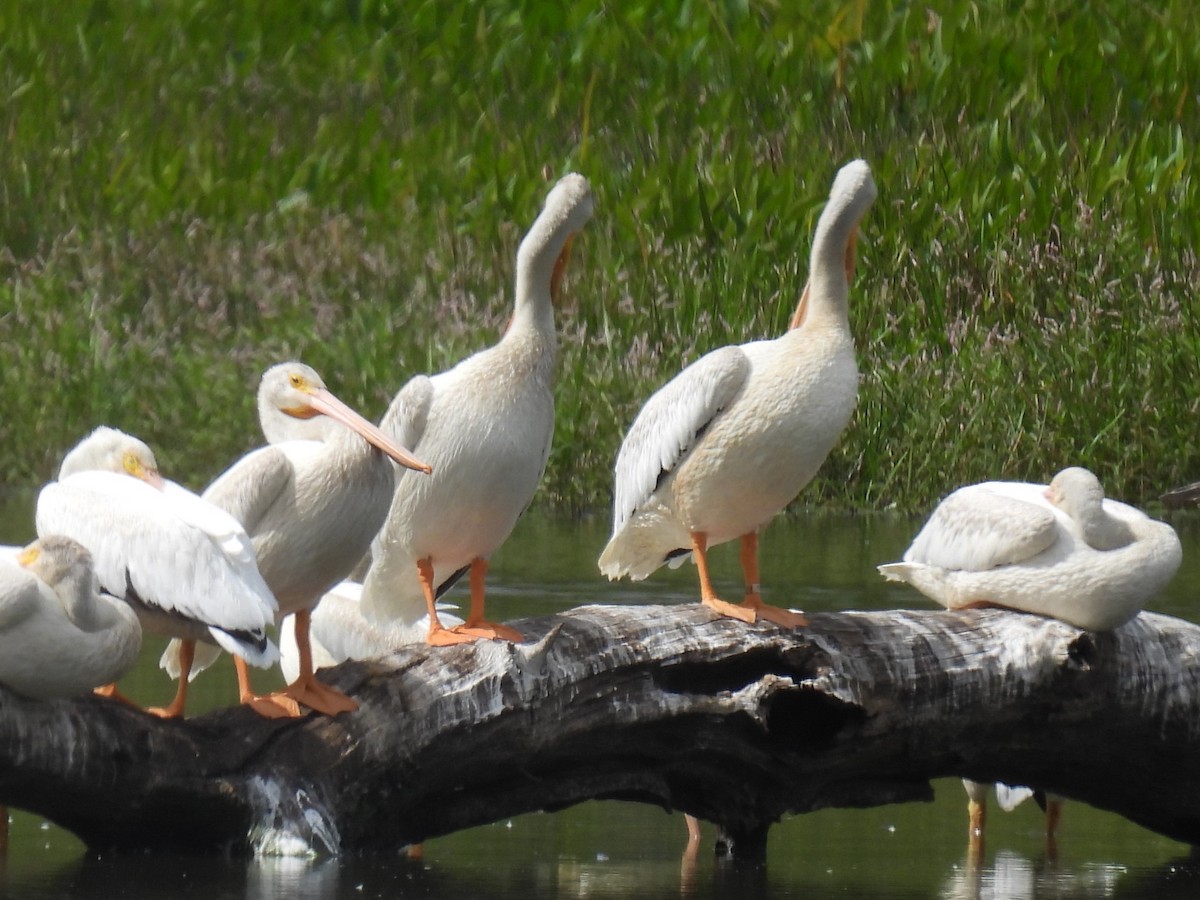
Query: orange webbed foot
x=473 y=631
x=491 y=630
x=274 y=706
x=448 y=637
x=752 y=611
x=730 y=610
x=165 y=712
x=318 y=696
x=110 y=691
x=784 y=618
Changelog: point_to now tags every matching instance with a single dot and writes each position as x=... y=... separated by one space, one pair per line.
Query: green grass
x=191 y=191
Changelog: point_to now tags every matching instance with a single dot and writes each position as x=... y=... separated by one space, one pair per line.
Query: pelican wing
x=164 y=551
x=980 y=527
x=670 y=424
x=249 y=488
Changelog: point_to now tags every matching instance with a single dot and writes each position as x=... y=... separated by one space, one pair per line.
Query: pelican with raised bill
x=311 y=508
x=185 y=567
x=1062 y=551
x=732 y=439
x=59 y=635
x=486 y=426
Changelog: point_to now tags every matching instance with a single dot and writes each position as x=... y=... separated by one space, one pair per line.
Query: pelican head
x=547 y=246
x=296 y=390
x=109 y=450
x=1078 y=493
x=57 y=559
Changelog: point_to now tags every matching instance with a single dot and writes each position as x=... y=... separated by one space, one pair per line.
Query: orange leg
x=306 y=689
x=753 y=608
x=187 y=653
x=754 y=599
x=1053 y=815
x=273 y=707
x=476 y=626
x=439 y=635
x=977 y=818
x=708 y=596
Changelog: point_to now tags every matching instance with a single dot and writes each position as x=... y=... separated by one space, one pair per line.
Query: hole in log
x=806 y=719
x=732 y=673
x=1082 y=652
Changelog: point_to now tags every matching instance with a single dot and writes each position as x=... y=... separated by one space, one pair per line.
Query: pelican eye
x=131 y=464
x=28 y=556
x=297 y=381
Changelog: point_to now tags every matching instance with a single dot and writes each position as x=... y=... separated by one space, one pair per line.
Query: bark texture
x=735 y=724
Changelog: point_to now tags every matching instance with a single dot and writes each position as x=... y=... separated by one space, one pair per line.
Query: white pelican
x=311 y=508
x=339 y=631
x=1062 y=551
x=59 y=635
x=486 y=426
x=1008 y=797
x=185 y=567
x=732 y=439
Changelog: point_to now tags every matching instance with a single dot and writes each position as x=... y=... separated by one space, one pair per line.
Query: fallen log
x=735 y=724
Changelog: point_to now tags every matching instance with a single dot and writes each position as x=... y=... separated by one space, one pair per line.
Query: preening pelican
x=185 y=567
x=311 y=508
x=59 y=636
x=732 y=439
x=485 y=426
x=1062 y=551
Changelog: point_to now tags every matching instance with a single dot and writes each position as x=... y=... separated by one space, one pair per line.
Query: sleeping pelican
x=486 y=426
x=731 y=440
x=185 y=567
x=311 y=508
x=1062 y=551
x=59 y=635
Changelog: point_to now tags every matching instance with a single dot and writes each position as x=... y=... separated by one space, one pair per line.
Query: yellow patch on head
x=132 y=464
x=299 y=382
x=28 y=556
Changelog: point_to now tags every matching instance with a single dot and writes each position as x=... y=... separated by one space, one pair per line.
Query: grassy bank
x=192 y=192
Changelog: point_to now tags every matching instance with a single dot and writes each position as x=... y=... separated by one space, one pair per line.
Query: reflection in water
x=1011 y=876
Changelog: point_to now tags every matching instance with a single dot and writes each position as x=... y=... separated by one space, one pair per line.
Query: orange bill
x=323 y=401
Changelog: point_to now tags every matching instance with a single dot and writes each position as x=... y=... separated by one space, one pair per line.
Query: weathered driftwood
x=667 y=705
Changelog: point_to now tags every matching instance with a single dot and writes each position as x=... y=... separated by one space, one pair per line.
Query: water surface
x=814 y=560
